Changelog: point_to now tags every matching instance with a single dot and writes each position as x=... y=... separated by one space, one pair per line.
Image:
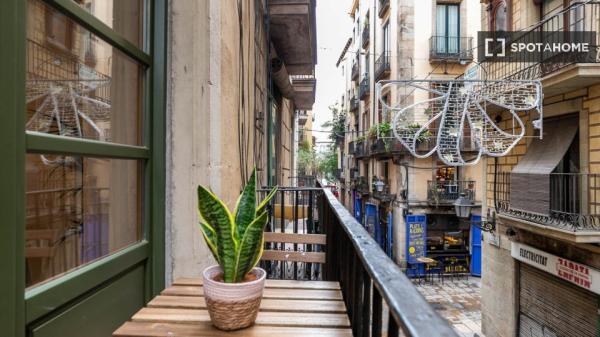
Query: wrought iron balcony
x=582 y=17
x=354 y=173
x=573 y=201
x=446 y=192
x=372 y=284
x=365 y=35
x=363 y=89
x=384 y=5
x=450 y=48
x=361 y=184
x=354 y=103
x=382 y=65
x=360 y=150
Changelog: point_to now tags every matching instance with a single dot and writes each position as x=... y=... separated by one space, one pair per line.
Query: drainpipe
x=269 y=99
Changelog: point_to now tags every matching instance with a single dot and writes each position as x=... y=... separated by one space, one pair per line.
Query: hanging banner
x=416 y=237
x=573 y=272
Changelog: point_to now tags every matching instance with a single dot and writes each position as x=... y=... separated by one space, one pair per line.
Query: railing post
x=366 y=304
x=376 y=314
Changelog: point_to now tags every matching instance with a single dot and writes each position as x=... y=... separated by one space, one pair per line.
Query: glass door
x=87 y=120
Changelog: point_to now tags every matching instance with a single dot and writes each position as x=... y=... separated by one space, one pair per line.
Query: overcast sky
x=334 y=27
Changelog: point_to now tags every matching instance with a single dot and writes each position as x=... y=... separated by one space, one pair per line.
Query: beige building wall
x=217 y=118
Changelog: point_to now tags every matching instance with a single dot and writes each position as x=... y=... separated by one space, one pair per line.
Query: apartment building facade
x=114 y=111
x=388 y=189
x=541 y=263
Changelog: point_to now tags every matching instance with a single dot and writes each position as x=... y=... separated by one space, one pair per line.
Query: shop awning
x=530 y=179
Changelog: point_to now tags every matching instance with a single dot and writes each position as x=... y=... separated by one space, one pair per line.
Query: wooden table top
x=288 y=308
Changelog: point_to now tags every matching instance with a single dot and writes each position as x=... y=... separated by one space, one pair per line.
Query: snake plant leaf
x=211 y=239
x=246 y=206
x=249 y=246
x=261 y=207
x=217 y=216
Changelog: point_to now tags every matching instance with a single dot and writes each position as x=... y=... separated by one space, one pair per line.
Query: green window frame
x=19 y=307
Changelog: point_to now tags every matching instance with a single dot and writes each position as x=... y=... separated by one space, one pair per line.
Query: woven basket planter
x=233 y=306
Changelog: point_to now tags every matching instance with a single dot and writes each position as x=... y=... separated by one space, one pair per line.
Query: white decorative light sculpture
x=453 y=115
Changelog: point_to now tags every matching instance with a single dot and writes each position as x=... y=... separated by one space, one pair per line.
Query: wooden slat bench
x=288 y=308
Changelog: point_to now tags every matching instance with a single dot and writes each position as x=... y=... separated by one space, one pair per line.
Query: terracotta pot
x=232 y=306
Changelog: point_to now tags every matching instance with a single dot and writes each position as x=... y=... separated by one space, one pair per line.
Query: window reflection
x=78 y=209
x=77 y=84
x=124 y=16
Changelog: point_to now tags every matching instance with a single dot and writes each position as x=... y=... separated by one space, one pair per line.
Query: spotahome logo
x=542 y=47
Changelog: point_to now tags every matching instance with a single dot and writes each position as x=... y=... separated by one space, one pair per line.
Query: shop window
x=445 y=233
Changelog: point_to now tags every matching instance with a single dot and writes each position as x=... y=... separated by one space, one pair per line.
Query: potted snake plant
x=233 y=289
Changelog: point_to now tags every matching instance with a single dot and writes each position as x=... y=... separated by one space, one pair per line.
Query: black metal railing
x=354 y=103
x=293 y=210
x=355 y=70
x=574 y=202
x=361 y=184
x=363 y=89
x=359 y=149
x=579 y=16
x=351 y=147
x=454 y=48
x=354 y=173
x=370 y=281
x=383 y=6
x=447 y=191
x=382 y=65
x=365 y=35
x=339 y=174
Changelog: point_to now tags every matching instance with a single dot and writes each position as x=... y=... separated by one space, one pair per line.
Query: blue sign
x=371 y=219
x=416 y=237
x=357 y=208
x=476 y=245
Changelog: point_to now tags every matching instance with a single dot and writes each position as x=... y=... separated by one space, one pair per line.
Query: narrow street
x=458 y=301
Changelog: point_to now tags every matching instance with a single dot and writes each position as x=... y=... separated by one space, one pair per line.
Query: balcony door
x=82 y=188
x=447 y=29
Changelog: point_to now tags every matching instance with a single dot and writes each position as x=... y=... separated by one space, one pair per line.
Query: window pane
x=78 y=209
x=78 y=85
x=124 y=16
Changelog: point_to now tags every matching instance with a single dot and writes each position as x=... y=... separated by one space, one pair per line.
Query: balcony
x=339 y=175
x=382 y=65
x=365 y=35
x=446 y=192
x=384 y=5
x=293 y=32
x=361 y=184
x=354 y=104
x=450 y=49
x=560 y=72
x=304 y=91
x=354 y=173
x=302 y=117
x=363 y=89
x=354 y=75
x=374 y=288
x=359 y=149
x=570 y=212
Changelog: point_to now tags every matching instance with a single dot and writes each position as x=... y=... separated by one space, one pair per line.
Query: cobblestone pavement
x=458 y=301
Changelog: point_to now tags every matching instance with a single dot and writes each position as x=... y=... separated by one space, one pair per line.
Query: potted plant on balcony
x=233 y=288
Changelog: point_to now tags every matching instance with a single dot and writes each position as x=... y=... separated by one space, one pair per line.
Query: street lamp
x=462 y=206
x=379 y=185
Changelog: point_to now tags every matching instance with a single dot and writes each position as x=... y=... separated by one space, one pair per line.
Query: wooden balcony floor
x=288 y=308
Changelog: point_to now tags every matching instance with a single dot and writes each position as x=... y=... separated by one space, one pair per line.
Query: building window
x=499 y=16
x=386 y=38
x=447 y=28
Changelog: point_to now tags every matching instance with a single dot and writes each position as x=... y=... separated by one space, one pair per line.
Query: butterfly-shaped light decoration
x=63 y=106
x=453 y=117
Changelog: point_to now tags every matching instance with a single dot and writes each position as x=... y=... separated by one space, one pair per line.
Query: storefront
x=571 y=311
x=444 y=238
